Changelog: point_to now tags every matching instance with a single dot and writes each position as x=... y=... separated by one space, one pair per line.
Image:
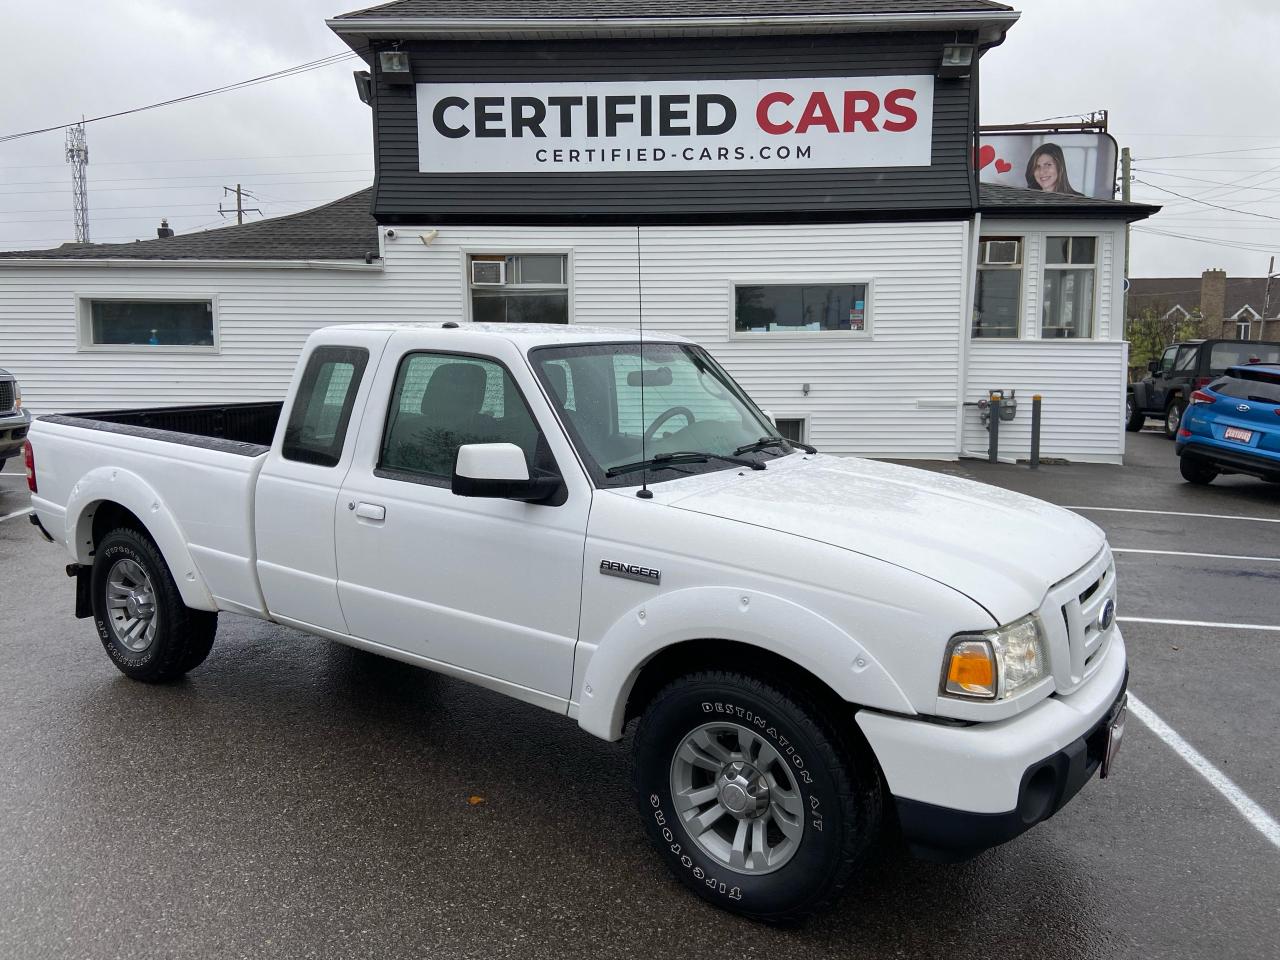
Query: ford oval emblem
x=1243 y=407
x=1108 y=615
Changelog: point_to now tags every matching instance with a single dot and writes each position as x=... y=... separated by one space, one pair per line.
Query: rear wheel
x=751 y=795
x=1196 y=470
x=1134 y=418
x=146 y=629
x=1173 y=419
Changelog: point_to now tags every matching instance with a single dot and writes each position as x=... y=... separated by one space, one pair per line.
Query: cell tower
x=78 y=157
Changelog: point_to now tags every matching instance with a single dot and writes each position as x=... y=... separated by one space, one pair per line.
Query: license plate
x=1115 y=733
x=1235 y=433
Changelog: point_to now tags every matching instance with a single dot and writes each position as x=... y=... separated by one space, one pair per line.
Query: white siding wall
x=893 y=394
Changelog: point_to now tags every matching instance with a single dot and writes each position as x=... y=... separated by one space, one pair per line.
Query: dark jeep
x=1185 y=367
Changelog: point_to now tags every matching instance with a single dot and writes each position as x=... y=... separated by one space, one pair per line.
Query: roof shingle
x=999 y=199
x=341 y=230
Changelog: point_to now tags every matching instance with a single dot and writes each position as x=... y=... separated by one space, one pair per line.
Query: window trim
x=84 y=322
x=770 y=336
x=468 y=251
x=1021 y=267
x=1046 y=266
x=446 y=483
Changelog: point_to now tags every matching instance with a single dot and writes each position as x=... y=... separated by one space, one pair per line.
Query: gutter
x=357 y=266
x=991 y=26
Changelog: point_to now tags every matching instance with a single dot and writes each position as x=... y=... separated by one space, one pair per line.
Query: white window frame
x=508 y=250
x=804 y=419
x=84 y=322
x=1046 y=267
x=770 y=336
x=1021 y=267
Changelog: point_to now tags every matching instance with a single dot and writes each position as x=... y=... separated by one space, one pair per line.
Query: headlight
x=995 y=664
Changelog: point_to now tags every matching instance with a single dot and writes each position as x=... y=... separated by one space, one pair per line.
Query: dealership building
x=791 y=185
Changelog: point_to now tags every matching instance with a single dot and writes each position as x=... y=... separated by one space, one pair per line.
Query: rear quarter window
x=321 y=412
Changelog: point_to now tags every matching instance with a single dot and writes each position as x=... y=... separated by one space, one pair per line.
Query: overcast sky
x=1178 y=76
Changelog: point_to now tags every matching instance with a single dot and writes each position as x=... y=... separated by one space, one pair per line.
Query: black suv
x=1186 y=367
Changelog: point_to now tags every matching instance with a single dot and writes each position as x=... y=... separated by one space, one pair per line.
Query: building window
x=997 y=297
x=180 y=324
x=791 y=428
x=520 y=288
x=1069 y=269
x=840 y=308
x=1242 y=328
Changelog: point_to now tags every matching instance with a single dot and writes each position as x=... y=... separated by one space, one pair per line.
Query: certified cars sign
x=674 y=125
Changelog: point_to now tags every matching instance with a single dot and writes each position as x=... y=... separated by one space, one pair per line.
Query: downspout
x=966 y=320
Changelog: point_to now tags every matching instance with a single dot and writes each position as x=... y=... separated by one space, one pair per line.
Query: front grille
x=6 y=396
x=1070 y=615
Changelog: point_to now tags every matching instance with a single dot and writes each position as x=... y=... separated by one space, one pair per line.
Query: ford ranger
x=811 y=647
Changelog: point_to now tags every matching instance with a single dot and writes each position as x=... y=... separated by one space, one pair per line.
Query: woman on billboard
x=1047 y=171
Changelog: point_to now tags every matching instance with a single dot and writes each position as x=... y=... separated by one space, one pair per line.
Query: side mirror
x=499 y=470
x=1153 y=366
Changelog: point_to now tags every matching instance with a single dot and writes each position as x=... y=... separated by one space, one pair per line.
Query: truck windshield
x=689 y=405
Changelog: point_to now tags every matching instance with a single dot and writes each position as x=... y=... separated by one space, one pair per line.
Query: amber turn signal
x=971 y=671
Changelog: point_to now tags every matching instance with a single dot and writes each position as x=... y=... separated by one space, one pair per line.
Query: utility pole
x=77 y=155
x=1126 y=182
x=1266 y=298
x=241 y=209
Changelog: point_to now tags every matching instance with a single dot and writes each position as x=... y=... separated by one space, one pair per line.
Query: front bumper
x=962 y=789
x=13 y=431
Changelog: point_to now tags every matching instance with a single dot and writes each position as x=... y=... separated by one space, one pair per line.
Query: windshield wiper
x=663 y=460
x=764 y=442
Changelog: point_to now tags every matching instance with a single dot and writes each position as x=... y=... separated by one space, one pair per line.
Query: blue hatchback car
x=1232 y=425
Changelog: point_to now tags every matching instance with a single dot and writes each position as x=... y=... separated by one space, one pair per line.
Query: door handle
x=371 y=511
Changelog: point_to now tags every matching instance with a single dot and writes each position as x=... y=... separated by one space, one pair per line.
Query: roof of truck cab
x=529 y=335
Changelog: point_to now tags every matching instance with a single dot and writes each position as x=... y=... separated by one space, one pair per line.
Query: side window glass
x=1166 y=362
x=441 y=402
x=1186 y=360
x=317 y=427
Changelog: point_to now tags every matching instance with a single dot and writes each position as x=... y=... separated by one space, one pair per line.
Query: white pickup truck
x=803 y=639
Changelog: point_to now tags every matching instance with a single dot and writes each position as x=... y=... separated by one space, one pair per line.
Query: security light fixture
x=957 y=61
x=364 y=86
x=395 y=67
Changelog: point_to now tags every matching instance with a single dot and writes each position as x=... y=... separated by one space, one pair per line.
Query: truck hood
x=1001 y=549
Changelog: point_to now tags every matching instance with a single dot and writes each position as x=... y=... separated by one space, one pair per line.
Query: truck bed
x=238 y=428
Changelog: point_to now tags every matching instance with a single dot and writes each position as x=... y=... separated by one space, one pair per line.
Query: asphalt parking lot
x=297 y=798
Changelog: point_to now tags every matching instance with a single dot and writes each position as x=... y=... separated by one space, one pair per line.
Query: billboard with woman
x=1079 y=164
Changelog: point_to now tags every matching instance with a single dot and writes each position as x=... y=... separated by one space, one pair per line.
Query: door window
x=1186 y=361
x=1166 y=362
x=441 y=402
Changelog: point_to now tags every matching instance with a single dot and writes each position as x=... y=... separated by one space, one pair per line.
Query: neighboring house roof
x=630 y=9
x=341 y=230
x=1164 y=293
x=1001 y=200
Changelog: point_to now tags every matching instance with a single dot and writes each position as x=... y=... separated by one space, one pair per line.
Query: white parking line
x=1256 y=816
x=1183 y=553
x=18 y=513
x=1174 y=513
x=1270 y=628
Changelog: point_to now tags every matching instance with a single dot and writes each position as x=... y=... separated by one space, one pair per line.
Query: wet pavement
x=295 y=798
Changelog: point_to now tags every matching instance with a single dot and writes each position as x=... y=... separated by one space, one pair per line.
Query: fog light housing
x=995 y=664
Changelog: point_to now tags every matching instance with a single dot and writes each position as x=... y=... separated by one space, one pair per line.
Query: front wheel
x=1173 y=419
x=146 y=629
x=1195 y=470
x=752 y=796
x=1134 y=418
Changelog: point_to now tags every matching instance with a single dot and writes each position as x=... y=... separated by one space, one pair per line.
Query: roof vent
x=164 y=230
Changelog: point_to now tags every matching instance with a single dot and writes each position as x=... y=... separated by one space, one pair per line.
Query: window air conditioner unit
x=488 y=273
x=1001 y=252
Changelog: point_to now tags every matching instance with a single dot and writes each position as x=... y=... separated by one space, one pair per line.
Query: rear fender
x=114 y=485
x=723 y=613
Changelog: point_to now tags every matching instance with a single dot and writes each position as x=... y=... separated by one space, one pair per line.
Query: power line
x=238 y=85
x=197 y=176
x=1254 y=248
x=367 y=180
x=149 y=162
x=1210 y=153
x=1248 y=213
x=1216 y=183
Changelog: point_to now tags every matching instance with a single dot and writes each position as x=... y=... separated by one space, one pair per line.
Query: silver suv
x=14 y=421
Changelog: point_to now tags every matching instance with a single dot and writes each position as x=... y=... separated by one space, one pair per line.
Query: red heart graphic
x=986 y=154
x=1003 y=166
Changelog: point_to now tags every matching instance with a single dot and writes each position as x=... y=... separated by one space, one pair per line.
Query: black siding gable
x=945 y=189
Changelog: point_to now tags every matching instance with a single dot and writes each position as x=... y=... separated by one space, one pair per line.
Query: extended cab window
x=442 y=401
x=322 y=408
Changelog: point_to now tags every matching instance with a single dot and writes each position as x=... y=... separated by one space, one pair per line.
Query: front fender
x=1141 y=395
x=113 y=485
x=722 y=613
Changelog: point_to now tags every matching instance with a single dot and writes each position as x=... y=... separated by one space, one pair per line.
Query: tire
x=1173 y=418
x=826 y=789
x=1197 y=470
x=157 y=647
x=1134 y=418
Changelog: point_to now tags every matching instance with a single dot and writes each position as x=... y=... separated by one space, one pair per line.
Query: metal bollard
x=1035 y=432
x=993 y=429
